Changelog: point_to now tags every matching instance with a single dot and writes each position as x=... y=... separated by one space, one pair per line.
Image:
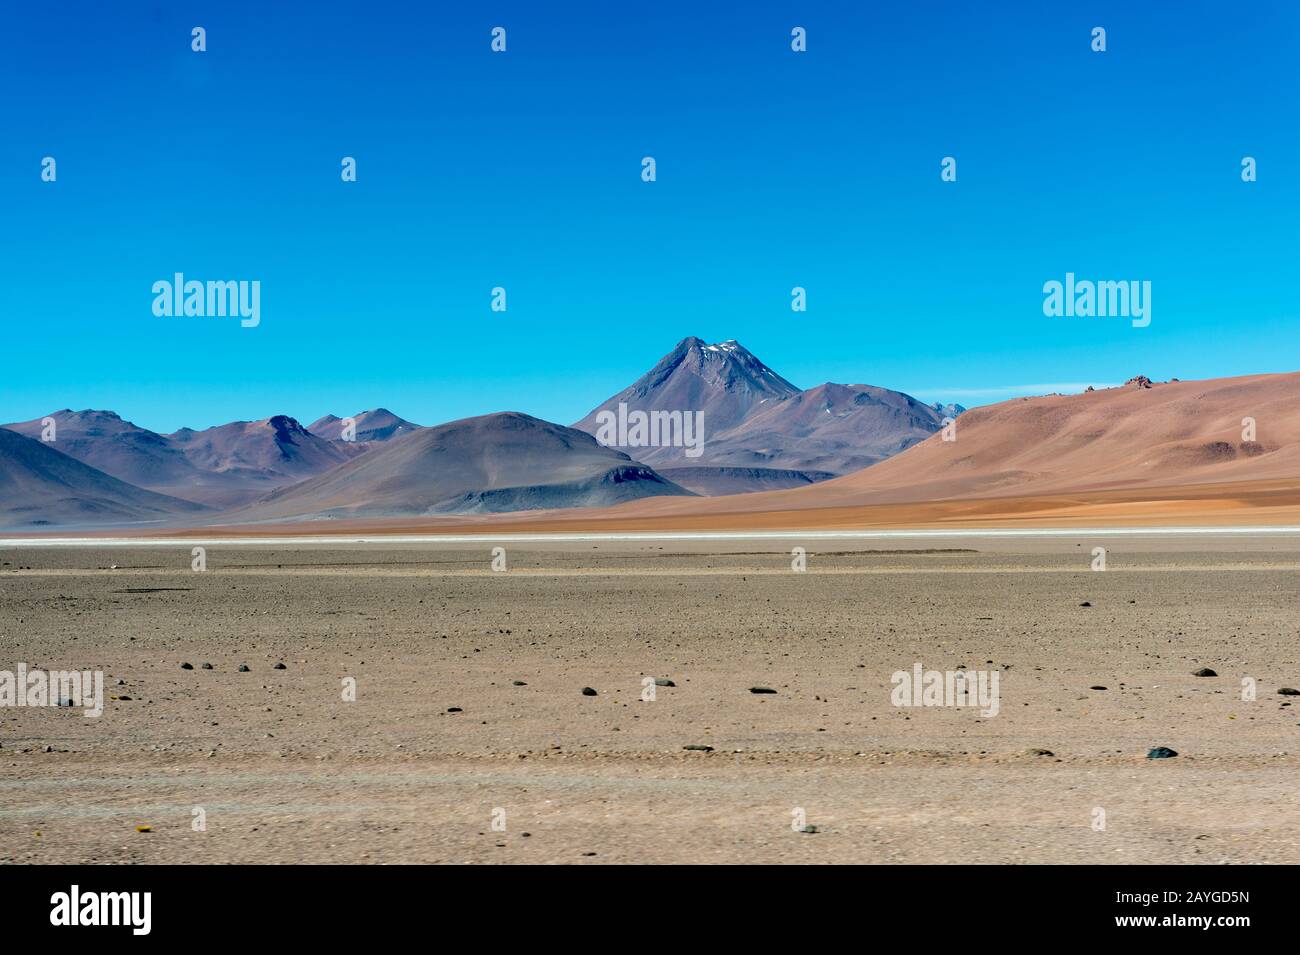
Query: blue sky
x=522 y=170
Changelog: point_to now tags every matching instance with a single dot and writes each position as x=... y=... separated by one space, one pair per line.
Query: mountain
x=41 y=486
x=497 y=462
x=126 y=451
x=724 y=381
x=756 y=421
x=251 y=458
x=377 y=425
x=832 y=428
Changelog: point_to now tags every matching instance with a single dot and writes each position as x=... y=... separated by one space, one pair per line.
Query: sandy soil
x=287 y=771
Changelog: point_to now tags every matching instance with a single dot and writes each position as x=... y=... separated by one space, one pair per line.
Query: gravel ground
x=469 y=714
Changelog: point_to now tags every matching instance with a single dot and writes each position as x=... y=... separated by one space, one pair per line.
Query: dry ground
x=286 y=771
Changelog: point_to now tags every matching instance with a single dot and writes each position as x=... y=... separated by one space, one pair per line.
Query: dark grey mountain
x=760 y=431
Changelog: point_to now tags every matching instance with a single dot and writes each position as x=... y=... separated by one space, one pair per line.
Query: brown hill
x=1136 y=436
x=243 y=460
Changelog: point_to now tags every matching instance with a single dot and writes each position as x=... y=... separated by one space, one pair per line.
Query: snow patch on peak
x=730 y=345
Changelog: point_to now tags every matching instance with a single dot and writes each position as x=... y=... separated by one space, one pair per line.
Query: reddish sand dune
x=1165 y=435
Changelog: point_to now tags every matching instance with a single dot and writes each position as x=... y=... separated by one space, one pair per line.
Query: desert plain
x=470 y=739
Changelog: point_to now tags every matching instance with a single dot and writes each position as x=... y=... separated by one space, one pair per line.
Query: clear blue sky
x=522 y=170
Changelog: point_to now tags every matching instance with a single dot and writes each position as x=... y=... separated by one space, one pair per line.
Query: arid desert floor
x=469 y=713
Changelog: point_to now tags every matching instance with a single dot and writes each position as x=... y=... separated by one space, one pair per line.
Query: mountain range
x=219 y=467
x=760 y=432
x=1219 y=450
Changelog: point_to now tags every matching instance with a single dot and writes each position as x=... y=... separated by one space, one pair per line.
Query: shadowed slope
x=41 y=486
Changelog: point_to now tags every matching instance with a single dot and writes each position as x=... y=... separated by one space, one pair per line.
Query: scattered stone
x=1287 y=691
x=1039 y=752
x=698 y=747
x=187 y=666
x=121 y=682
x=454 y=709
x=761 y=689
x=49 y=749
x=1161 y=752
x=808 y=828
x=243 y=668
x=207 y=666
x=588 y=691
x=1085 y=604
x=279 y=666
x=1096 y=687
x=519 y=683
x=144 y=828
x=1204 y=671
x=660 y=681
